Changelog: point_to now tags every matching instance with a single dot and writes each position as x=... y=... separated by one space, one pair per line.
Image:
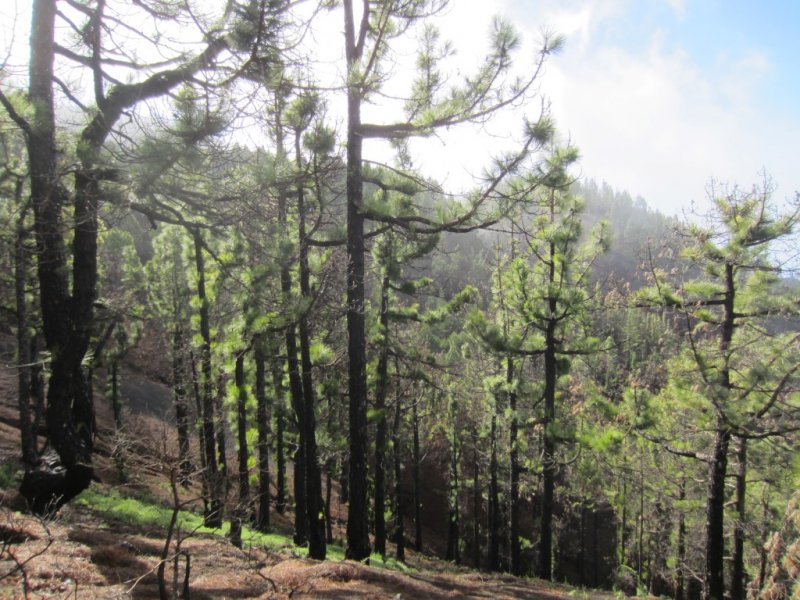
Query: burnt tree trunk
x=262 y=418
x=476 y=504
x=280 y=430
x=738 y=575
x=416 y=474
x=30 y=450
x=358 y=547
x=516 y=548
x=399 y=530
x=714 y=580
x=67 y=306
x=243 y=454
x=66 y=317
x=493 y=557
x=313 y=477
x=549 y=466
x=454 y=517
x=680 y=570
x=381 y=386
x=201 y=438
x=213 y=477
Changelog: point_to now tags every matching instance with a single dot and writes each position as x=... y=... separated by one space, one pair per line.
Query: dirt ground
x=78 y=556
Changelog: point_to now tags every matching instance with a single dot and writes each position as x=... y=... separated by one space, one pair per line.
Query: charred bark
x=262 y=418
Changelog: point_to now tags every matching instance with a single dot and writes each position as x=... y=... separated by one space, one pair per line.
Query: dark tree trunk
x=416 y=474
x=201 y=439
x=358 y=508
x=243 y=511
x=262 y=417
x=765 y=531
x=30 y=450
x=739 y=576
x=623 y=535
x=344 y=480
x=516 y=548
x=680 y=574
x=280 y=429
x=545 y=570
x=296 y=394
x=714 y=580
x=493 y=557
x=381 y=386
x=715 y=512
x=116 y=403
x=313 y=477
x=640 y=570
x=181 y=406
x=214 y=479
x=220 y=429
x=453 y=518
x=328 y=498
x=66 y=318
x=295 y=381
x=476 y=505
x=399 y=530
x=38 y=392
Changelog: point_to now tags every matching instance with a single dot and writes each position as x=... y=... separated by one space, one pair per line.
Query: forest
x=540 y=373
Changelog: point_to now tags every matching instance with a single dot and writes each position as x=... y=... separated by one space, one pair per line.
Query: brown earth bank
x=80 y=556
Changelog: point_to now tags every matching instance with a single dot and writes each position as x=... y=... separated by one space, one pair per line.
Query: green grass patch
x=138 y=512
x=141 y=513
x=390 y=563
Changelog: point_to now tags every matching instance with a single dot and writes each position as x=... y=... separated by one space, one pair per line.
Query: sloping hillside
x=109 y=543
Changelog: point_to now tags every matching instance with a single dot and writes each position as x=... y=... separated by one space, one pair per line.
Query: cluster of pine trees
x=575 y=386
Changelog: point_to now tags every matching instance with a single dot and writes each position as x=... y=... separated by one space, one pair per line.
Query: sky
x=660 y=96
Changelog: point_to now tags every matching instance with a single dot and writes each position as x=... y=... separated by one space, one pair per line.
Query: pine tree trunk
x=198 y=398
x=399 y=532
x=738 y=576
x=221 y=428
x=416 y=475
x=30 y=451
x=514 y=541
x=381 y=385
x=262 y=418
x=66 y=319
x=453 y=530
x=680 y=583
x=313 y=477
x=214 y=483
x=715 y=511
x=476 y=505
x=714 y=580
x=243 y=511
x=358 y=547
x=545 y=570
x=494 y=499
x=116 y=404
x=765 y=532
x=328 y=498
x=280 y=428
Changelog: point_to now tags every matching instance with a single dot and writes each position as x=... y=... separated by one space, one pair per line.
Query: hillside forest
x=541 y=373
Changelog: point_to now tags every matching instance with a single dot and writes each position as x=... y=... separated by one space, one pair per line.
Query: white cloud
x=679 y=6
x=657 y=124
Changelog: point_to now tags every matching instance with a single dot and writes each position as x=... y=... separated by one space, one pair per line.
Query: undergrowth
x=151 y=515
